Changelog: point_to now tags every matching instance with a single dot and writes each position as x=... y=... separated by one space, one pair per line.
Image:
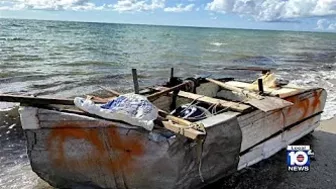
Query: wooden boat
x=72 y=149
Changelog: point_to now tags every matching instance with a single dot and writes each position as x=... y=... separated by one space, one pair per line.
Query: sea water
x=68 y=59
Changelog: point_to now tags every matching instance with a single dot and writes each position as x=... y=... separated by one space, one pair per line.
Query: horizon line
x=168 y=25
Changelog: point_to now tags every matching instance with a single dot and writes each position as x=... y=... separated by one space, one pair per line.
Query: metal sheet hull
x=74 y=153
x=69 y=150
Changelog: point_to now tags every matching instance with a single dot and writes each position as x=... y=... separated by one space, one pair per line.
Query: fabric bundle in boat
x=130 y=108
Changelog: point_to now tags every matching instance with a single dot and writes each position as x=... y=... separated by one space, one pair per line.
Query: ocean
x=68 y=59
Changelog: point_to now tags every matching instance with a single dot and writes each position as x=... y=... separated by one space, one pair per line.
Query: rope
x=191 y=103
x=200 y=144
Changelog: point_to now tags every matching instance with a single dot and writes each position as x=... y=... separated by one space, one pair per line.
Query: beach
x=69 y=59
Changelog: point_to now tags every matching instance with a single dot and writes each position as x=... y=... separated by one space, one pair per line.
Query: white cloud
x=120 y=5
x=324 y=24
x=321 y=24
x=136 y=5
x=48 y=5
x=272 y=10
x=332 y=26
x=180 y=8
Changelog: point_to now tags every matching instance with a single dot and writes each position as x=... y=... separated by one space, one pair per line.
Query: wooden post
x=260 y=86
x=135 y=81
x=171 y=73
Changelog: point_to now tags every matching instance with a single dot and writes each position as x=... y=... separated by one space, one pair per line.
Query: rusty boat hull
x=74 y=151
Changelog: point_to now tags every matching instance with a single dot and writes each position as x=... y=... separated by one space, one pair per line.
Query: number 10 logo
x=298 y=158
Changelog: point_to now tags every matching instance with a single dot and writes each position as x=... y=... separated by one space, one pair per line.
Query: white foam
x=217 y=44
x=7 y=106
x=321 y=78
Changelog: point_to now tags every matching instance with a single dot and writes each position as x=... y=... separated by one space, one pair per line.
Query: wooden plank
x=167 y=90
x=182 y=130
x=264 y=103
x=34 y=100
x=257 y=125
x=275 y=144
x=115 y=93
x=262 y=70
x=281 y=92
x=223 y=103
x=269 y=103
x=135 y=81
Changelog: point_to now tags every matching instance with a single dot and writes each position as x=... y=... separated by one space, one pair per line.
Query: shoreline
x=328 y=125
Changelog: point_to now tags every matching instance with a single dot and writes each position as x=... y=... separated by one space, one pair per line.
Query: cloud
x=274 y=10
x=48 y=5
x=332 y=26
x=321 y=24
x=324 y=24
x=138 y=6
x=120 y=5
x=180 y=8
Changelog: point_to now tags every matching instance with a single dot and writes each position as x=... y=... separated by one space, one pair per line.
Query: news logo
x=298 y=158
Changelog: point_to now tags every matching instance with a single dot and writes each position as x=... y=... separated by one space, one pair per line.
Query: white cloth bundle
x=130 y=108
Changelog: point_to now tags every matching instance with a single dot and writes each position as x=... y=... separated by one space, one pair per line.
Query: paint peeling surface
x=70 y=153
x=307 y=103
x=73 y=151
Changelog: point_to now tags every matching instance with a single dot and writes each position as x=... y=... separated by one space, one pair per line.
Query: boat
x=238 y=127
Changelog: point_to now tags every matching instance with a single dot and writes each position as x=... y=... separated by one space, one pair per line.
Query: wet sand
x=272 y=173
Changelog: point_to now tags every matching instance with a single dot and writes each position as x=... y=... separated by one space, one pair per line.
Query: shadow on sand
x=272 y=173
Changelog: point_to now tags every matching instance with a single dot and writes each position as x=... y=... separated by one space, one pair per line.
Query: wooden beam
x=282 y=92
x=110 y=91
x=260 y=86
x=34 y=100
x=183 y=130
x=171 y=73
x=223 y=103
x=167 y=90
x=135 y=81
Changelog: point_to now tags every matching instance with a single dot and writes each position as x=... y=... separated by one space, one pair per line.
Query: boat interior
x=202 y=99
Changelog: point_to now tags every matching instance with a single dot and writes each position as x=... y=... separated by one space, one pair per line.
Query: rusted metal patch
x=307 y=103
x=109 y=150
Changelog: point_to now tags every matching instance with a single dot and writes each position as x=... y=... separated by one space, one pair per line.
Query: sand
x=328 y=126
x=272 y=173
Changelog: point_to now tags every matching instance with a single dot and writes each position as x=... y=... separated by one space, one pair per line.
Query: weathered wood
x=171 y=72
x=135 y=81
x=282 y=92
x=78 y=152
x=260 y=86
x=263 y=70
x=268 y=104
x=183 y=130
x=222 y=103
x=167 y=90
x=233 y=88
x=178 y=120
x=258 y=125
x=34 y=100
x=273 y=145
x=110 y=90
x=264 y=103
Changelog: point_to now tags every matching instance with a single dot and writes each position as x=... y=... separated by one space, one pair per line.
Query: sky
x=308 y=15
